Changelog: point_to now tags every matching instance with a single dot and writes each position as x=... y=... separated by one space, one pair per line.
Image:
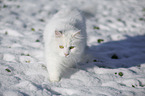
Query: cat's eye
x=61 y=47
x=71 y=47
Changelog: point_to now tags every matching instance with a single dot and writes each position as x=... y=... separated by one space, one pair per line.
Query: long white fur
x=71 y=24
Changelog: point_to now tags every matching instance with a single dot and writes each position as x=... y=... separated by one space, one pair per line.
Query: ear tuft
x=58 y=33
x=76 y=34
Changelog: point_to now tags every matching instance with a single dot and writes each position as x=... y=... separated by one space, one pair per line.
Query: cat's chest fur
x=65 y=41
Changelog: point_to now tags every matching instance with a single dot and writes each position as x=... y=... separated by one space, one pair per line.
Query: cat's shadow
x=115 y=54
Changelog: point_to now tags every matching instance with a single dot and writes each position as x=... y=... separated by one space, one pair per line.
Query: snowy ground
x=118 y=66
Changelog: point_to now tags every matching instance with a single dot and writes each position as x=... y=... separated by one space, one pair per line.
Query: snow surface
x=118 y=65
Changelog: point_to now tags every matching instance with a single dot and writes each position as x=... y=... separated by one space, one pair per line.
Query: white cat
x=65 y=41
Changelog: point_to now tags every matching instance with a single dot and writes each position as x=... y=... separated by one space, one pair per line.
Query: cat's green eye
x=61 y=47
x=71 y=47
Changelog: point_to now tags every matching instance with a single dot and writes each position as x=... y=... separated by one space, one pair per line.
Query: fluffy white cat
x=65 y=41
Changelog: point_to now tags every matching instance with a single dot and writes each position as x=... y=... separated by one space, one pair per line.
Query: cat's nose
x=66 y=54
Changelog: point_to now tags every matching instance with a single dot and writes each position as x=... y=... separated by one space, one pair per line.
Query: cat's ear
x=58 y=33
x=77 y=34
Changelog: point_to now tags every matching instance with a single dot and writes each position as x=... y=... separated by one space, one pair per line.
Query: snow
x=8 y=57
x=117 y=65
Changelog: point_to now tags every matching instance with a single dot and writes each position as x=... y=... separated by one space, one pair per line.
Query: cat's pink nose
x=66 y=54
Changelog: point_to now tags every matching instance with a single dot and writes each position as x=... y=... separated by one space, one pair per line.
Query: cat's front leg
x=54 y=70
x=54 y=75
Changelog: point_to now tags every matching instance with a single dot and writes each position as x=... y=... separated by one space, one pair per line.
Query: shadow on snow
x=114 y=54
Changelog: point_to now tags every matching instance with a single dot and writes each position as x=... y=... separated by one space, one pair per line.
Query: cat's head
x=68 y=43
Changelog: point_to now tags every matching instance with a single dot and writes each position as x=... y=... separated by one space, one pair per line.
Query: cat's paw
x=54 y=79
